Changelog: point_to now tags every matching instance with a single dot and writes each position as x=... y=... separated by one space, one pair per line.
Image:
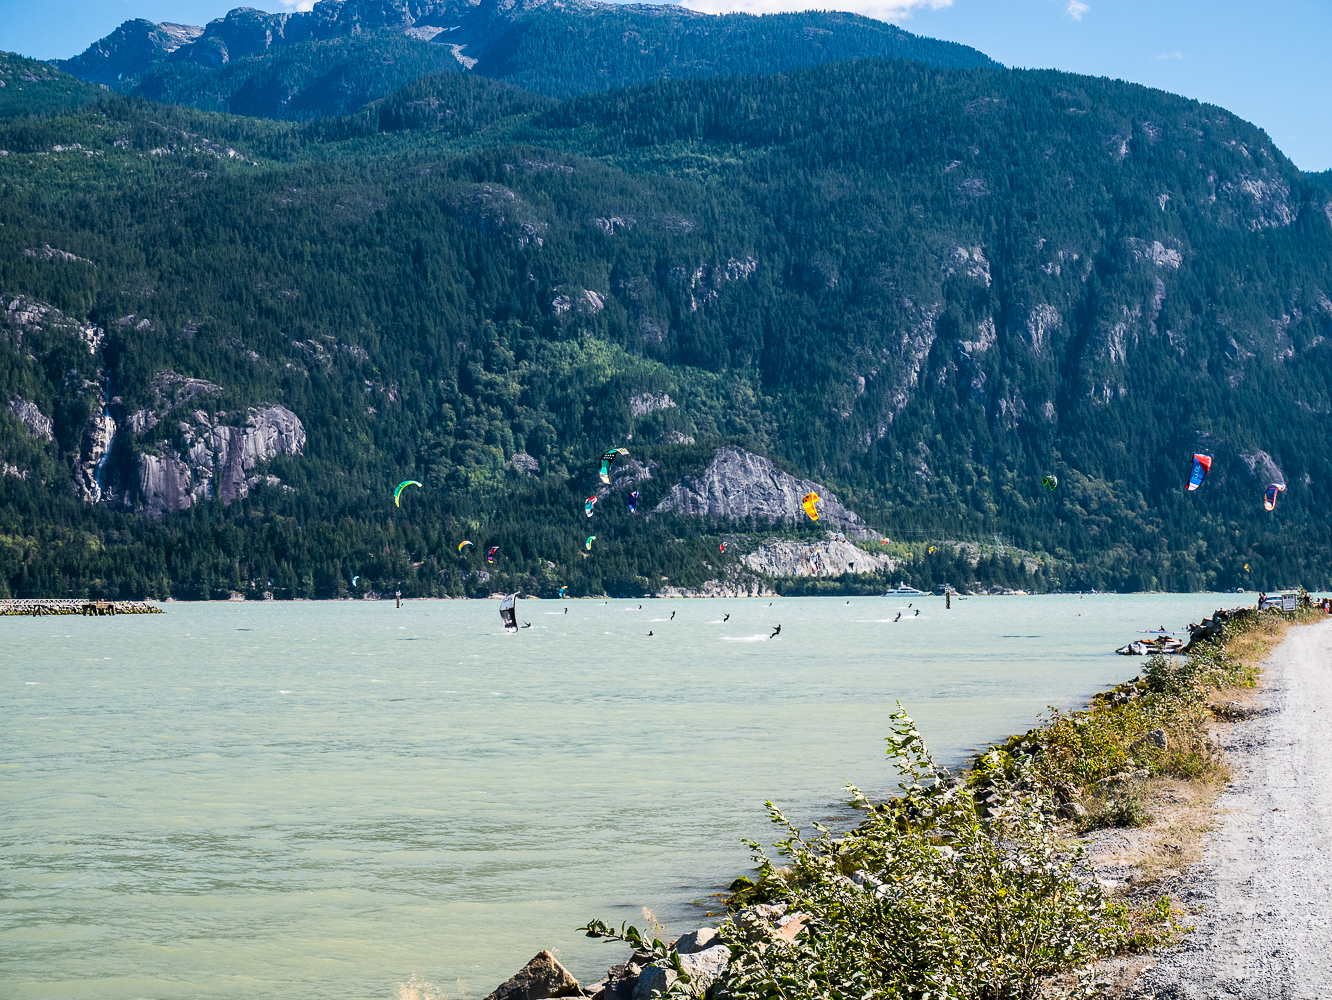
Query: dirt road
x=1266 y=881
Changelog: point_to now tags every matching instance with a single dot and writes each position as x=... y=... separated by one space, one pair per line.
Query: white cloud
x=1076 y=8
x=1177 y=54
x=884 y=10
x=297 y=5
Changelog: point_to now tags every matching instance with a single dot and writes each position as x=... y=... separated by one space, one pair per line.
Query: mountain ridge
x=253 y=62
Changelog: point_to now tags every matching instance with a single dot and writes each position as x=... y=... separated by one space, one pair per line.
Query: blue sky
x=1265 y=61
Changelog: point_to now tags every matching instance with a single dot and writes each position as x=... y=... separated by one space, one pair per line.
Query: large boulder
x=703 y=967
x=652 y=980
x=704 y=937
x=540 y=978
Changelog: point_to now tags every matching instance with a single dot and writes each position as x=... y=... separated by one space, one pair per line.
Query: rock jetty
x=76 y=606
x=702 y=955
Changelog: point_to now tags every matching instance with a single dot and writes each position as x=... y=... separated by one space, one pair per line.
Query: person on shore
x=776 y=632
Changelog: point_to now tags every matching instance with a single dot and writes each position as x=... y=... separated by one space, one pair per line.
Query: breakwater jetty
x=76 y=606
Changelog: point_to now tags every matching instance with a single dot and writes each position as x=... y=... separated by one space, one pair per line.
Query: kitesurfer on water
x=672 y=616
x=727 y=618
x=776 y=632
x=527 y=624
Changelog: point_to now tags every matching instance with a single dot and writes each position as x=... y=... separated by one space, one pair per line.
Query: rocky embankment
x=700 y=954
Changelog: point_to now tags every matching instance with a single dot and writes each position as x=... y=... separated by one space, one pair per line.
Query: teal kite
x=397 y=494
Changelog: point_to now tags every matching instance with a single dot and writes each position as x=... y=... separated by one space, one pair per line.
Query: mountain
x=344 y=53
x=225 y=339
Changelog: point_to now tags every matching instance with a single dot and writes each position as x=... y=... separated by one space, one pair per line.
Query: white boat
x=902 y=588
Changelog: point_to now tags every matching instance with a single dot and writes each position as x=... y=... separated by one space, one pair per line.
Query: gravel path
x=1266 y=880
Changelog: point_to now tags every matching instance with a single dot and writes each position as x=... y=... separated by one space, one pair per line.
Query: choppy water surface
x=320 y=799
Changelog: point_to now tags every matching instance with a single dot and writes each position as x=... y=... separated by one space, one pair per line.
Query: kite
x=589 y=504
x=633 y=502
x=588 y=544
x=354 y=579
x=808 y=502
x=507 y=615
x=1202 y=464
x=931 y=548
x=461 y=545
x=1269 y=497
x=723 y=546
x=562 y=590
x=606 y=461
x=490 y=556
x=1246 y=567
x=839 y=537
x=1050 y=482
x=397 y=494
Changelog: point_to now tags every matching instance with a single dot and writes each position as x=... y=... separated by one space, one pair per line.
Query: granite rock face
x=739 y=484
x=33 y=418
x=218 y=460
x=1259 y=468
x=830 y=558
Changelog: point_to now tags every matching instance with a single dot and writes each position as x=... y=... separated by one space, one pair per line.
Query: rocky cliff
x=831 y=558
x=739 y=484
x=218 y=460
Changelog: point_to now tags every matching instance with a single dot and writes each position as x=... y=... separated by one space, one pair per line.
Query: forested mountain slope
x=344 y=53
x=924 y=287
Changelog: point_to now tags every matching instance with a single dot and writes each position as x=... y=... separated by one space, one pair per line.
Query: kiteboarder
x=776 y=632
x=527 y=624
x=899 y=617
x=672 y=616
x=727 y=618
x=649 y=631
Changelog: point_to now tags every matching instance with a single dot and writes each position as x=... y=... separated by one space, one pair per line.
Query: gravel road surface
x=1266 y=880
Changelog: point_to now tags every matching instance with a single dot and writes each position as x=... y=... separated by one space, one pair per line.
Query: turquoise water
x=321 y=799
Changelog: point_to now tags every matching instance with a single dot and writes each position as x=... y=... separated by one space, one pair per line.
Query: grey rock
x=653 y=980
x=33 y=418
x=1158 y=739
x=1073 y=810
x=165 y=484
x=539 y=979
x=1259 y=468
x=703 y=967
x=524 y=462
x=697 y=940
x=830 y=558
x=738 y=484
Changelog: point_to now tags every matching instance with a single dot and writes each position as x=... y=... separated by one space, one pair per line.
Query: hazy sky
x=1266 y=61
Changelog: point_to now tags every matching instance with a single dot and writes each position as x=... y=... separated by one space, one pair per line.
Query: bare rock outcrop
x=739 y=484
x=219 y=458
x=830 y=558
x=1259 y=468
x=165 y=484
x=33 y=418
x=734 y=583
